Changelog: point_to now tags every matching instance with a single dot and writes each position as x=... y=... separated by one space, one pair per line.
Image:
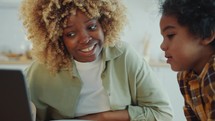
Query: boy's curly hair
x=44 y=21
x=197 y=15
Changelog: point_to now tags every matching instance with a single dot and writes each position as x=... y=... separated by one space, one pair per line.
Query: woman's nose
x=163 y=46
x=85 y=37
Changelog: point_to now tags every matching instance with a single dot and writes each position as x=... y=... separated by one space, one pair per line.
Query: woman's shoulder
x=122 y=46
x=36 y=66
x=120 y=49
x=36 y=69
x=124 y=51
x=127 y=49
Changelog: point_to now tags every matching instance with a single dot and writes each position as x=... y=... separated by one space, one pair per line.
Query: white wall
x=143 y=24
x=11 y=31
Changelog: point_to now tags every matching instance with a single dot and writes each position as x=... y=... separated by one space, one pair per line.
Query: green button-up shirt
x=127 y=78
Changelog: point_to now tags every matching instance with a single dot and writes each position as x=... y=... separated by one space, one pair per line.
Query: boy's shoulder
x=208 y=69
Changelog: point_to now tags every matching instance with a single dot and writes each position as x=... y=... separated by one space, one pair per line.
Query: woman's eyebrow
x=90 y=20
x=68 y=26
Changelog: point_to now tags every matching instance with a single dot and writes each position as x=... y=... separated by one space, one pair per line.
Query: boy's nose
x=163 y=46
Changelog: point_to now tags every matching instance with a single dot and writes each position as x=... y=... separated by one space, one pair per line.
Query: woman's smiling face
x=83 y=37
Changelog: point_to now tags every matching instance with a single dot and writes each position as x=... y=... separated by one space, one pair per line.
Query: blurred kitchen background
x=142 y=32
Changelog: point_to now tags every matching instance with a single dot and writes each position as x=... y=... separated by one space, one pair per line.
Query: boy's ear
x=208 y=40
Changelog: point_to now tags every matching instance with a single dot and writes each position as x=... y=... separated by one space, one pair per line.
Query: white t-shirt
x=93 y=98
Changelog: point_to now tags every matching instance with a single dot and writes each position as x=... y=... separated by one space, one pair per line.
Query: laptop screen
x=14 y=101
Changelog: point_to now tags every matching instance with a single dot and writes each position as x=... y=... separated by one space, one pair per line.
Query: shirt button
x=103 y=75
x=108 y=93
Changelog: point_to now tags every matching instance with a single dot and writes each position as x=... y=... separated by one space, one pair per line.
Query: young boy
x=188 y=30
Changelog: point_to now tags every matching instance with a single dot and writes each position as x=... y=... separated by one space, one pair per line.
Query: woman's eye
x=92 y=27
x=71 y=34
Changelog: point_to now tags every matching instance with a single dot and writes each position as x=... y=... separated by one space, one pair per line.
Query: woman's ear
x=208 y=40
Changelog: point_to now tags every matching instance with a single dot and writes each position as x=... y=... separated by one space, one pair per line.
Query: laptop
x=14 y=100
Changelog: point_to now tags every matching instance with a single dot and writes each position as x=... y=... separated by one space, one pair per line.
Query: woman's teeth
x=88 y=49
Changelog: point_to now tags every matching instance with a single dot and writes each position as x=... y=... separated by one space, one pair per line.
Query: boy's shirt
x=199 y=92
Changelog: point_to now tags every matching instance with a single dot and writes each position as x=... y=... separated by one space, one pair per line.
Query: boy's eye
x=92 y=27
x=170 y=36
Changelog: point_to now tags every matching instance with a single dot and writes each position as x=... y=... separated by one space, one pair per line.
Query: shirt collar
x=111 y=52
x=191 y=75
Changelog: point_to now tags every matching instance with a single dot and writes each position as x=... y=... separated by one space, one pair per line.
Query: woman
x=83 y=70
